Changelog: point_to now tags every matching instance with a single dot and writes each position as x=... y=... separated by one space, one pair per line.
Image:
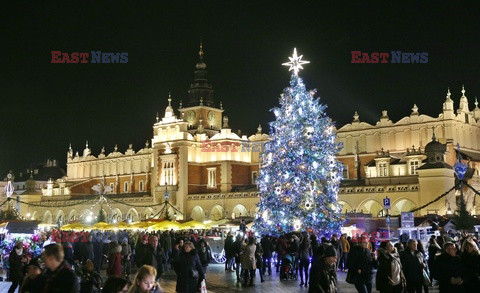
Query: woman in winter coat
x=304 y=255
x=259 y=259
x=189 y=269
x=17 y=261
x=249 y=261
x=115 y=260
x=204 y=253
x=433 y=248
x=390 y=276
x=89 y=279
x=471 y=261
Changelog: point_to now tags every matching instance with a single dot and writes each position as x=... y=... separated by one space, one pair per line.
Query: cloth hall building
x=209 y=171
x=410 y=161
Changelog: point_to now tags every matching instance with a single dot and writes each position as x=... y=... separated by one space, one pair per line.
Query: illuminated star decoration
x=296 y=62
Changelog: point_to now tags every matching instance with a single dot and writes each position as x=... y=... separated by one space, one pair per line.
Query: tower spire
x=200 y=87
x=463 y=107
x=200 y=53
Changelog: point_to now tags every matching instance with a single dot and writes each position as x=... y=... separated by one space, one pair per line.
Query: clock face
x=211 y=116
x=190 y=116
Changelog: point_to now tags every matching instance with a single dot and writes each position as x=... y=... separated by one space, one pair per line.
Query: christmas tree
x=299 y=174
x=101 y=215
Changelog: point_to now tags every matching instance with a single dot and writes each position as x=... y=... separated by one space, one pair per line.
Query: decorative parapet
x=379 y=189
x=62 y=203
x=228 y=195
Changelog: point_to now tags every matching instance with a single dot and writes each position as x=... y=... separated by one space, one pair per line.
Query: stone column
x=225 y=177
x=182 y=192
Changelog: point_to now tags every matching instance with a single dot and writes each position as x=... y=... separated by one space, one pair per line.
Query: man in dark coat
x=237 y=246
x=361 y=262
x=154 y=256
x=229 y=253
x=323 y=274
x=98 y=251
x=17 y=261
x=166 y=244
x=87 y=250
x=140 y=250
x=413 y=265
x=60 y=277
x=243 y=226
x=267 y=247
x=449 y=270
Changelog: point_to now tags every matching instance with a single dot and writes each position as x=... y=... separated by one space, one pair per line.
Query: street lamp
x=386 y=205
x=460 y=169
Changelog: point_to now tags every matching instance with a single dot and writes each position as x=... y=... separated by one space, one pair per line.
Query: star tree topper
x=296 y=62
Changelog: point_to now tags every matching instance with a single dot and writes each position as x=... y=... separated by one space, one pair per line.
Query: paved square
x=220 y=282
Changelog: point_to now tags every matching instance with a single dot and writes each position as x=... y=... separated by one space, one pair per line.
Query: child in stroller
x=288 y=268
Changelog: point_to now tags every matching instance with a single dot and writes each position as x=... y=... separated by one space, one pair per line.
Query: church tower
x=200 y=113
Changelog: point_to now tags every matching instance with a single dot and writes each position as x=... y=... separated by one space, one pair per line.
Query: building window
x=168 y=173
x=254 y=177
x=125 y=187
x=345 y=172
x=111 y=188
x=383 y=169
x=140 y=185
x=62 y=190
x=212 y=177
x=413 y=167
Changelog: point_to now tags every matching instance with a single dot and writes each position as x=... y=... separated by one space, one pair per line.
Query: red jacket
x=115 y=264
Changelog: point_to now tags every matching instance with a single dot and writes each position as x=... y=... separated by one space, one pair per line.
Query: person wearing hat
x=323 y=274
x=35 y=280
x=126 y=254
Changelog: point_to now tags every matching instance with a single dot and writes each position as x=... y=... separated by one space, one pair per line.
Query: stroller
x=288 y=268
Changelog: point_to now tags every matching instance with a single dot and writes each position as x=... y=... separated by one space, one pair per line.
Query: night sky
x=46 y=106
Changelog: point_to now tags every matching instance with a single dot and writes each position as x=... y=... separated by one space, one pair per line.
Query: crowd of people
x=454 y=263
x=75 y=266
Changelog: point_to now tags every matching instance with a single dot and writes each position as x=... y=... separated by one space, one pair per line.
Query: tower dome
x=434 y=151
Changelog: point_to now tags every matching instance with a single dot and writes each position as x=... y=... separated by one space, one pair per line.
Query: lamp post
x=166 y=196
x=460 y=169
x=386 y=205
